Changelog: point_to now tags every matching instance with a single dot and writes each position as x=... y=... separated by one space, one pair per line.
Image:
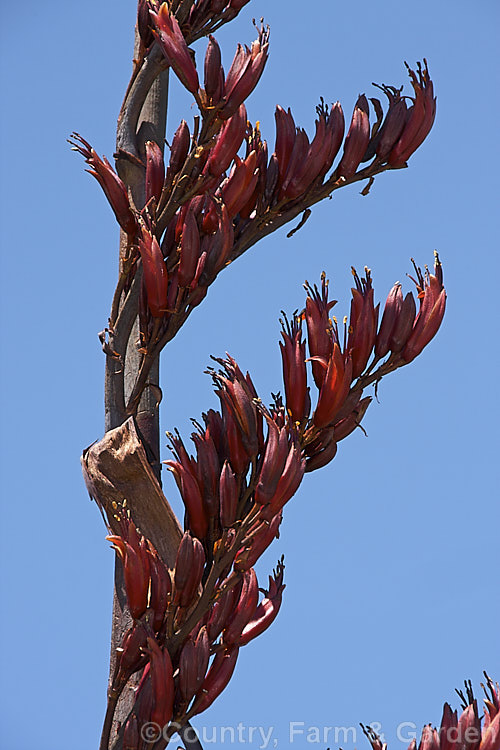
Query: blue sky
x=392 y=550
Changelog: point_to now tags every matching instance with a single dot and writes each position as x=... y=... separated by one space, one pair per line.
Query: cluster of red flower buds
x=202 y=203
x=249 y=462
x=182 y=681
x=342 y=369
x=462 y=732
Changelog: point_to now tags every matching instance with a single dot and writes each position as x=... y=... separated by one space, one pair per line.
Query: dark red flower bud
x=362 y=323
x=161 y=587
x=131 y=736
x=228 y=496
x=114 y=189
x=345 y=426
x=393 y=125
x=356 y=141
x=267 y=610
x=174 y=47
x=130 y=656
x=335 y=387
x=241 y=184
x=469 y=728
x=448 y=729
x=179 y=149
x=316 y=459
x=261 y=537
x=162 y=683
x=193 y=664
x=404 y=324
x=189 y=565
x=273 y=463
x=392 y=310
x=244 y=608
x=228 y=142
x=319 y=332
x=191 y=496
x=155 y=171
x=133 y=554
x=293 y=354
x=213 y=67
x=432 y=306
x=290 y=480
x=155 y=274
x=208 y=471
x=218 y=676
x=189 y=249
x=285 y=140
x=220 y=612
x=296 y=161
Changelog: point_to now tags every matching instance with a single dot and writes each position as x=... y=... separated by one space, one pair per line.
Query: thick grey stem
x=151 y=126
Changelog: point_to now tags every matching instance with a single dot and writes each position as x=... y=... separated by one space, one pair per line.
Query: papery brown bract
x=174 y=47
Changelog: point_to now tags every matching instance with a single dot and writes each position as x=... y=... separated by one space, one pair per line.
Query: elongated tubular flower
x=362 y=323
x=432 y=297
x=244 y=608
x=193 y=664
x=155 y=274
x=189 y=249
x=261 y=537
x=420 y=117
x=218 y=676
x=356 y=141
x=334 y=388
x=162 y=682
x=319 y=336
x=214 y=73
x=173 y=45
x=114 y=189
x=293 y=354
x=228 y=142
x=244 y=73
x=267 y=611
x=273 y=462
x=285 y=140
x=191 y=496
x=133 y=553
x=155 y=171
x=160 y=587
